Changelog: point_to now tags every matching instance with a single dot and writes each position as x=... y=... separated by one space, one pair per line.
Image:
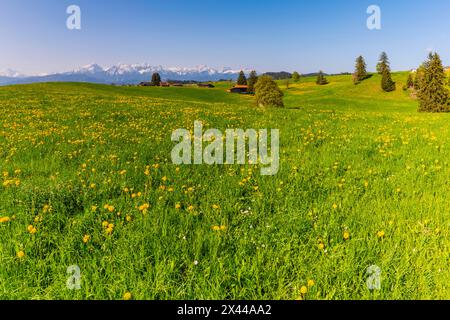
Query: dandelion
x=5 y=219
x=215 y=206
x=304 y=290
x=143 y=208
x=20 y=254
x=321 y=246
x=127 y=296
x=86 y=238
x=190 y=208
x=31 y=229
x=380 y=234
x=177 y=206
x=311 y=283
x=335 y=206
x=346 y=235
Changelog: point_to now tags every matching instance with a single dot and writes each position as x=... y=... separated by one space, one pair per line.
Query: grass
x=354 y=161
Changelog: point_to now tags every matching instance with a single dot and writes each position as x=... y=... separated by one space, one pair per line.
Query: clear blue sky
x=273 y=35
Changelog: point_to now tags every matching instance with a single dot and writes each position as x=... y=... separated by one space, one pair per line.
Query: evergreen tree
x=321 y=80
x=386 y=79
x=296 y=76
x=242 y=80
x=433 y=95
x=360 y=70
x=252 y=80
x=156 y=79
x=382 y=62
x=268 y=94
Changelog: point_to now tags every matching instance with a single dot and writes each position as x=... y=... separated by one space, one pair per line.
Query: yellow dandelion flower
x=381 y=234
x=215 y=206
x=86 y=238
x=311 y=283
x=304 y=290
x=346 y=235
x=20 y=254
x=4 y=219
x=127 y=296
x=177 y=206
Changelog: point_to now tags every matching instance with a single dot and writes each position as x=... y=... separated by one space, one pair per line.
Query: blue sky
x=289 y=35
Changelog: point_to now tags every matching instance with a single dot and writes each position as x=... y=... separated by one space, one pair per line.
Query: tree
x=252 y=80
x=383 y=61
x=433 y=95
x=296 y=76
x=242 y=80
x=156 y=79
x=268 y=94
x=410 y=81
x=386 y=79
x=321 y=80
x=360 y=70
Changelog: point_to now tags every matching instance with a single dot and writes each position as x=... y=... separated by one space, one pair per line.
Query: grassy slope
x=353 y=158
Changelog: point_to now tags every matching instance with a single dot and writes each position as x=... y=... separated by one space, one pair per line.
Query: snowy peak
x=126 y=74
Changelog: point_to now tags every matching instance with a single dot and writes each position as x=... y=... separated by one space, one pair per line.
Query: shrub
x=268 y=94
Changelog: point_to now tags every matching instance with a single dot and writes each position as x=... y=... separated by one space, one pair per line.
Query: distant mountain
x=123 y=74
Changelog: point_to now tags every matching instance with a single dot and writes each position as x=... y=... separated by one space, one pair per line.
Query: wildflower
x=190 y=208
x=195 y=263
x=164 y=179
x=380 y=234
x=31 y=229
x=177 y=206
x=127 y=296
x=20 y=254
x=143 y=208
x=129 y=218
x=216 y=228
x=346 y=235
x=5 y=219
x=335 y=206
x=311 y=283
x=94 y=208
x=105 y=224
x=321 y=246
x=86 y=238
x=304 y=290
x=215 y=207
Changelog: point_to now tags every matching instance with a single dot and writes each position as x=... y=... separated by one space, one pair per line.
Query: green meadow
x=87 y=180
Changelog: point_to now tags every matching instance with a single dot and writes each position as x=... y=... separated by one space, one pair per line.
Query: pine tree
x=321 y=80
x=382 y=62
x=268 y=94
x=386 y=79
x=296 y=76
x=252 y=80
x=242 y=80
x=433 y=95
x=156 y=79
x=360 y=70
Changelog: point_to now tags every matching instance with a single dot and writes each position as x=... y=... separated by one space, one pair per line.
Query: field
x=87 y=180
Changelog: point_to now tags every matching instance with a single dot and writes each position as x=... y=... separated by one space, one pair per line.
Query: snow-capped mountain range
x=123 y=74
